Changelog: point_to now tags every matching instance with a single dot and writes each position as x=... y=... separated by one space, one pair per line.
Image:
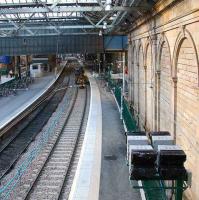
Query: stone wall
x=164 y=78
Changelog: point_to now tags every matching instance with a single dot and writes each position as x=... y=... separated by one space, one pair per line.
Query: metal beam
x=64 y=18
x=44 y=24
x=88 y=19
x=69 y=9
x=43 y=4
x=133 y=2
x=102 y=19
x=52 y=7
x=119 y=12
x=100 y=3
x=50 y=34
x=51 y=23
x=60 y=27
x=17 y=27
x=115 y=21
x=40 y=3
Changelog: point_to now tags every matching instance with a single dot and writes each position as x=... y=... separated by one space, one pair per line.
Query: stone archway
x=142 y=93
x=136 y=81
x=149 y=86
x=132 y=73
x=165 y=88
x=130 y=70
x=185 y=71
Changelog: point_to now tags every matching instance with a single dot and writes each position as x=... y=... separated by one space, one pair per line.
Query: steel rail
x=75 y=147
x=63 y=133
x=13 y=141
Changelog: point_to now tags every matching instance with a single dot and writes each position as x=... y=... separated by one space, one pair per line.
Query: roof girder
x=69 y=9
x=87 y=16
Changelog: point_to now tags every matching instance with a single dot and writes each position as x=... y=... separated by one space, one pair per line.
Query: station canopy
x=69 y=17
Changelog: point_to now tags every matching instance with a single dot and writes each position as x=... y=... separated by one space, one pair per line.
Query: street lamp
x=104 y=25
x=100 y=33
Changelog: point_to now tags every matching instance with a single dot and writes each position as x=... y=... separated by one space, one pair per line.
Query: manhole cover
x=110 y=157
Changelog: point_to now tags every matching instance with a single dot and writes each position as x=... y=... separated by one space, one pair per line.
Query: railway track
x=64 y=195
x=24 y=133
x=48 y=178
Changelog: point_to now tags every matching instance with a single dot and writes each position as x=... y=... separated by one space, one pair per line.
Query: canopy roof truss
x=63 y=17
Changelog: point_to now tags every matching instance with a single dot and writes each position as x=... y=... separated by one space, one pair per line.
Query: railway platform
x=102 y=172
x=11 y=106
x=114 y=181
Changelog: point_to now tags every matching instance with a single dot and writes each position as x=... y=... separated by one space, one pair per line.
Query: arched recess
x=186 y=65
x=165 y=87
x=150 y=78
x=185 y=69
x=142 y=117
x=132 y=60
x=136 y=81
x=130 y=71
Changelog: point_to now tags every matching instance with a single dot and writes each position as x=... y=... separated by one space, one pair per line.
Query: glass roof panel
x=21 y=10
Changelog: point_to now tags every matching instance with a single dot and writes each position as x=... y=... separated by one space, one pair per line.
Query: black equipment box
x=143 y=157
x=170 y=155
x=171 y=158
x=142 y=173
x=173 y=173
x=170 y=162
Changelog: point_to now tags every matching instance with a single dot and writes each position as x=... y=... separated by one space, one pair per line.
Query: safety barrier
x=117 y=93
x=128 y=118
x=6 y=190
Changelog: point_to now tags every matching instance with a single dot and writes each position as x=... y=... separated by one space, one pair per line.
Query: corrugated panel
x=48 y=44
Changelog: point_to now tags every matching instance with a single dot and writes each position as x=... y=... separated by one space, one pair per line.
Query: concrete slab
x=114 y=181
